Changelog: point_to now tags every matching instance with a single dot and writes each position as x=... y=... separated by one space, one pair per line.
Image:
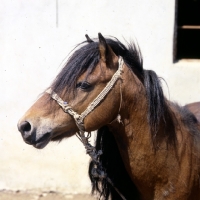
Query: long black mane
x=85 y=58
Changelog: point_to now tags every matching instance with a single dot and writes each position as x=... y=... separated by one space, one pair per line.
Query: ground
x=19 y=195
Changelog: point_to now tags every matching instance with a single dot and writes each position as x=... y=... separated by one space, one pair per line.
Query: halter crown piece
x=98 y=170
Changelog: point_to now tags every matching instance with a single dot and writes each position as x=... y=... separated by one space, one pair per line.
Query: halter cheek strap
x=79 y=119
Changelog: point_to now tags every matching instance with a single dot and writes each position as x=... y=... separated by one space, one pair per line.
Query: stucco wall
x=33 y=43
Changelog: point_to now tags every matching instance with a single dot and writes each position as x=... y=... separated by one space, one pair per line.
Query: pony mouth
x=60 y=134
x=42 y=141
x=48 y=137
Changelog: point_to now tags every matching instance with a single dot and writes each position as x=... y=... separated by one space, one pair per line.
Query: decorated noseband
x=79 y=119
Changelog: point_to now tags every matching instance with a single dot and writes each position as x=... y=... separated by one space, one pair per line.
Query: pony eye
x=83 y=85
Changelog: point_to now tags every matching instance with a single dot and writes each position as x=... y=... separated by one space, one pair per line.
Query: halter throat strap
x=79 y=119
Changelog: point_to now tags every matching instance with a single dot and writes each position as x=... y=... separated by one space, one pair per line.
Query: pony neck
x=151 y=167
x=134 y=127
x=133 y=135
x=134 y=106
x=143 y=108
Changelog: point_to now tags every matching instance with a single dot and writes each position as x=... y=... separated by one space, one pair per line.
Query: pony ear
x=102 y=47
x=88 y=38
x=106 y=53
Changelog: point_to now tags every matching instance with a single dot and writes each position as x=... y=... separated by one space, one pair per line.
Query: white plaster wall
x=32 y=48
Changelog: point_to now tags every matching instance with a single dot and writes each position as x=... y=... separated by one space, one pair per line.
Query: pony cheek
x=64 y=123
x=98 y=118
x=93 y=122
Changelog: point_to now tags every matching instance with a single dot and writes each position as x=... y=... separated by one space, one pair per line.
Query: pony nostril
x=27 y=132
x=25 y=127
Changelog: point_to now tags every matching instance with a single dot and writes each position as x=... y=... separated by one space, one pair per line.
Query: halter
x=79 y=119
x=98 y=170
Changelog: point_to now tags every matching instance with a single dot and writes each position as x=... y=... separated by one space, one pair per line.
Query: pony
x=147 y=145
